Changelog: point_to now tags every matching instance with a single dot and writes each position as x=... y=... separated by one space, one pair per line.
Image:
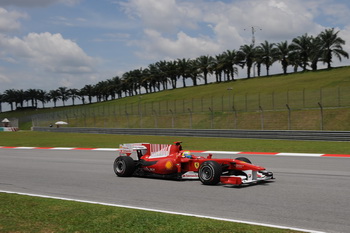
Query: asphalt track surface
x=309 y=192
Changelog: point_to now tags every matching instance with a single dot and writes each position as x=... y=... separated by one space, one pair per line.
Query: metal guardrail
x=257 y=134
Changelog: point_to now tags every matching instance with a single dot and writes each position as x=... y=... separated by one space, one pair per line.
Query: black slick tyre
x=209 y=172
x=124 y=166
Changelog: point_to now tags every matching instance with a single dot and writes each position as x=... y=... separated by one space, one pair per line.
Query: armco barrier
x=258 y=134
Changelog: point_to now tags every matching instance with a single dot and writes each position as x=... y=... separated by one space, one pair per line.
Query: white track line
x=163 y=211
x=300 y=154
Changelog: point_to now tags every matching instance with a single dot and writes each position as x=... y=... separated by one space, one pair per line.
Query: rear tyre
x=209 y=172
x=244 y=159
x=124 y=166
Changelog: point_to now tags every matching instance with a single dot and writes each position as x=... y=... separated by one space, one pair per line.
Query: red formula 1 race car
x=170 y=161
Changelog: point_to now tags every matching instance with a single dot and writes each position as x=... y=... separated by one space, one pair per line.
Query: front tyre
x=124 y=166
x=209 y=172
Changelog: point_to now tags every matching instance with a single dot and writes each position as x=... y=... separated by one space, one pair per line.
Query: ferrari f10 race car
x=171 y=162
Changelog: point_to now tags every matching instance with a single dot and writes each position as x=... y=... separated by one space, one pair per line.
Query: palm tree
x=184 y=65
x=152 y=77
x=43 y=97
x=32 y=95
x=258 y=59
x=173 y=73
x=54 y=96
x=16 y=97
x=82 y=94
x=10 y=97
x=302 y=46
x=128 y=83
x=162 y=73
x=230 y=59
x=118 y=84
x=101 y=89
x=145 y=80
x=194 y=71
x=1 y=100
x=63 y=94
x=282 y=53
x=74 y=94
x=315 y=51
x=247 y=54
x=295 y=61
x=88 y=90
x=204 y=63
x=268 y=55
x=218 y=66
x=332 y=45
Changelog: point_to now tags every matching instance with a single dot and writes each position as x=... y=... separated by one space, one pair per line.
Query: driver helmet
x=187 y=154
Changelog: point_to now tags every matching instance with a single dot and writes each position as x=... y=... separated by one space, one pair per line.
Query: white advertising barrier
x=8 y=129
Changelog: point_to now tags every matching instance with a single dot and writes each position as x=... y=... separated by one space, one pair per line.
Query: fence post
x=202 y=104
x=155 y=119
x=172 y=118
x=261 y=117
x=84 y=116
x=222 y=103
x=190 y=117
x=127 y=118
x=115 y=118
x=339 y=97
x=140 y=110
x=235 y=115
x=211 y=118
x=289 y=117
x=321 y=112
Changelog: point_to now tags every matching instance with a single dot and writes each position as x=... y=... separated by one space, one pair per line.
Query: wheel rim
x=207 y=173
x=120 y=166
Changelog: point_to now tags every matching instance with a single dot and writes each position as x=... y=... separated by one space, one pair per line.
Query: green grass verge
x=32 y=214
x=48 y=139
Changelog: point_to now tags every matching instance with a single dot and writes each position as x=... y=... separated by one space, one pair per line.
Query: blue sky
x=46 y=44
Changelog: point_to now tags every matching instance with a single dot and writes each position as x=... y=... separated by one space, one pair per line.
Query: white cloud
x=36 y=3
x=155 y=46
x=165 y=15
x=49 y=52
x=4 y=79
x=9 y=20
x=186 y=29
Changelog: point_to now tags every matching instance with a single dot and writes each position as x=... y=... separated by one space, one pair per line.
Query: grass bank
x=237 y=104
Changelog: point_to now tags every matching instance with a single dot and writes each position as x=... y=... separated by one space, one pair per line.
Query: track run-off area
x=310 y=192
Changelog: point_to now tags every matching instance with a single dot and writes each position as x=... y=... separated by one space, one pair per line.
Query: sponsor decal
x=190 y=175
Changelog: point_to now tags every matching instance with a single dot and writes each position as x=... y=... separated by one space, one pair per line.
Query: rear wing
x=134 y=150
x=137 y=150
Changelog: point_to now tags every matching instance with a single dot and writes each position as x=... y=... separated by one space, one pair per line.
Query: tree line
x=303 y=52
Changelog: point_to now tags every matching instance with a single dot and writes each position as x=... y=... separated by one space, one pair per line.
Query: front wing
x=249 y=178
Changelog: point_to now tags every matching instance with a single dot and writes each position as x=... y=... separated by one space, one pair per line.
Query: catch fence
x=319 y=109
